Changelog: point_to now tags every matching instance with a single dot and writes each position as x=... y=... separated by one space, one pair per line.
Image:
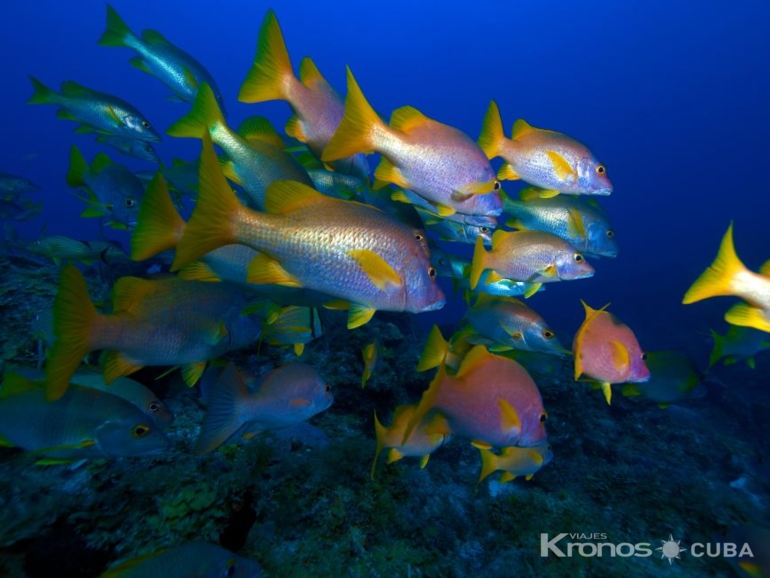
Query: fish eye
x=610 y=233
x=578 y=258
x=644 y=356
x=496 y=186
x=548 y=334
x=600 y=170
x=140 y=431
x=431 y=272
x=109 y=206
x=130 y=202
x=484 y=229
x=230 y=568
x=419 y=236
x=154 y=406
x=328 y=388
x=517 y=335
x=145 y=124
x=543 y=417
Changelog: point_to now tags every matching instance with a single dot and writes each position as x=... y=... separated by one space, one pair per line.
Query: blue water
x=671 y=96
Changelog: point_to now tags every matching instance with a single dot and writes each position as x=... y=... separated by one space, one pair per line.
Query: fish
x=434 y=160
x=113 y=191
x=306 y=240
x=130 y=147
x=530 y=256
x=606 y=350
x=673 y=377
x=156 y=56
x=181 y=176
x=727 y=275
x=168 y=321
x=11 y=186
x=60 y=248
x=515 y=461
x=317 y=107
x=491 y=400
x=293 y=325
x=455 y=228
x=506 y=323
x=255 y=154
x=370 y=354
x=287 y=396
x=338 y=185
x=19 y=209
x=97 y=111
x=84 y=423
x=578 y=220
x=186 y=561
x=545 y=158
x=428 y=435
x=739 y=343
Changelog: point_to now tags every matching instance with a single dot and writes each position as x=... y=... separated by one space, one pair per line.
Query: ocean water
x=671 y=97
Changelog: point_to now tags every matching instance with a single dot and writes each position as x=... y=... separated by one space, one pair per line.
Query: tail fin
x=41 y=93
x=271 y=70
x=717 y=352
x=355 y=133
x=427 y=403
x=477 y=264
x=488 y=463
x=491 y=137
x=435 y=352
x=203 y=116
x=73 y=318
x=212 y=223
x=159 y=226
x=718 y=278
x=222 y=418
x=117 y=33
x=381 y=432
x=77 y=169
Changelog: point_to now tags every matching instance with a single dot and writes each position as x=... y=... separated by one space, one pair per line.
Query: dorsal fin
x=154 y=37
x=406 y=118
x=521 y=128
x=100 y=162
x=473 y=359
x=288 y=196
x=258 y=128
x=130 y=290
x=308 y=72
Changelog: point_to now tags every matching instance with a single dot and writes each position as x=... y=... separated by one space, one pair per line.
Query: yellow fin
x=259 y=129
x=481 y=445
x=765 y=269
x=406 y=118
x=607 y=391
x=394 y=455
x=359 y=315
x=575 y=224
x=114 y=115
x=204 y=115
x=426 y=403
x=198 y=271
x=506 y=477
x=506 y=173
x=472 y=360
x=532 y=289
x=230 y=171
x=377 y=269
x=530 y=193
x=267 y=78
x=718 y=278
x=117 y=364
x=509 y=418
x=548 y=193
x=337 y=305
x=15 y=384
x=521 y=128
x=488 y=463
x=445 y=211
x=561 y=167
x=492 y=136
x=285 y=197
x=478 y=263
x=159 y=226
x=424 y=461
x=309 y=73
x=294 y=129
x=192 y=372
x=380 y=433
x=620 y=356
x=387 y=172
x=265 y=270
x=299 y=349
x=747 y=316
x=128 y=291
x=435 y=351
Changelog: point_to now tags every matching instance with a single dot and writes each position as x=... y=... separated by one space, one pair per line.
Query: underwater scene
x=414 y=289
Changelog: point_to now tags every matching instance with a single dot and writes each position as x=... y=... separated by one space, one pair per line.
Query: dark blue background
x=671 y=95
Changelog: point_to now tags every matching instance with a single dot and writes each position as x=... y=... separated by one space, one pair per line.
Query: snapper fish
x=99 y=112
x=673 y=377
x=130 y=147
x=11 y=186
x=606 y=350
x=545 y=158
x=59 y=249
x=727 y=275
x=158 y=57
x=289 y=395
x=739 y=343
x=434 y=160
x=515 y=461
x=317 y=107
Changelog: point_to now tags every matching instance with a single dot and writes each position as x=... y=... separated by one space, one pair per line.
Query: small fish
x=130 y=147
x=338 y=185
x=113 y=190
x=99 y=112
x=158 y=57
x=370 y=354
x=727 y=275
x=428 y=435
x=60 y=249
x=168 y=321
x=288 y=396
x=317 y=107
x=195 y=559
x=432 y=159
x=293 y=325
x=83 y=423
x=255 y=154
x=739 y=343
x=506 y=323
x=673 y=377
x=606 y=350
x=181 y=176
x=455 y=228
x=515 y=461
x=11 y=186
x=491 y=400
x=531 y=256
x=544 y=158
x=578 y=220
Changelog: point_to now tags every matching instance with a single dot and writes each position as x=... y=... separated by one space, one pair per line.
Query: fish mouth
x=435 y=306
x=602 y=192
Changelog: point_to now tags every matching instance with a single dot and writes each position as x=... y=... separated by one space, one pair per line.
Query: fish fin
x=426 y=403
x=521 y=128
x=620 y=355
x=730 y=360
x=548 y=193
x=190 y=79
x=359 y=315
x=399 y=196
x=15 y=384
x=114 y=116
x=445 y=211
x=394 y=455
x=435 y=351
x=479 y=445
x=488 y=463
x=213 y=221
x=155 y=38
x=117 y=33
x=747 y=316
x=507 y=173
x=74 y=316
x=72 y=88
x=337 y=305
x=259 y=129
x=230 y=171
x=406 y=118
x=424 y=461
x=607 y=391
x=117 y=364
x=506 y=477
x=478 y=263
x=285 y=197
x=575 y=224
x=129 y=291
x=271 y=70
x=204 y=115
x=530 y=193
x=65 y=114
x=78 y=168
x=753 y=569
x=309 y=73
x=101 y=161
x=631 y=390
x=356 y=131
x=751 y=362
x=41 y=94
x=85 y=129
x=765 y=269
x=294 y=129
x=380 y=433
x=531 y=289
x=159 y=226
x=377 y=269
x=716 y=351
x=299 y=349
x=264 y=270
x=387 y=172
x=718 y=278
x=192 y=372
x=561 y=167
x=140 y=64
x=509 y=417
x=492 y=137
x=472 y=360
x=223 y=418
